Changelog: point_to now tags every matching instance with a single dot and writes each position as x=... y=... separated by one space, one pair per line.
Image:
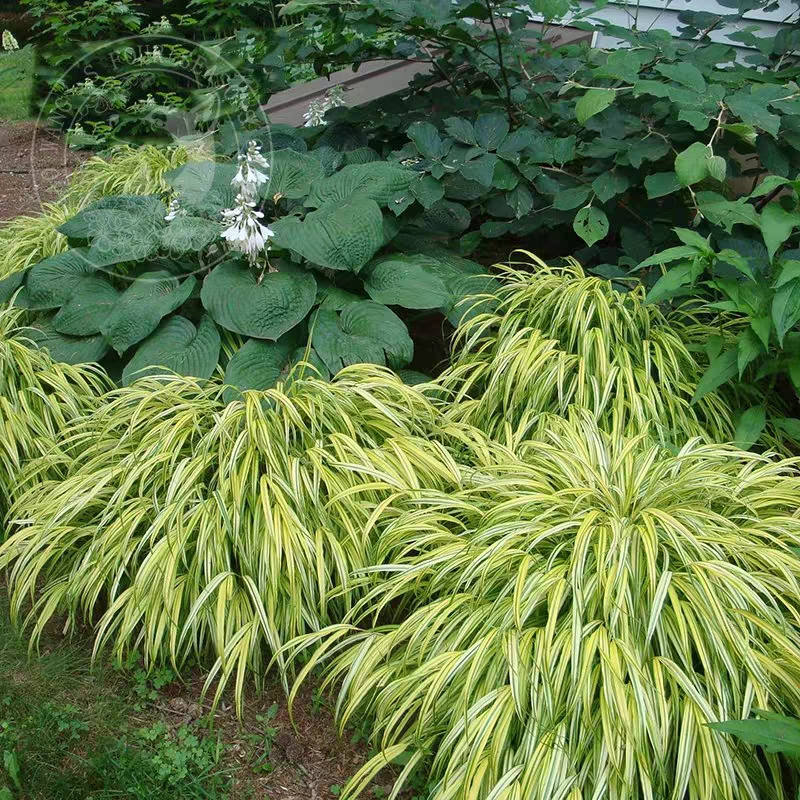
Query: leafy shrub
x=38 y=398
x=572 y=620
x=193 y=527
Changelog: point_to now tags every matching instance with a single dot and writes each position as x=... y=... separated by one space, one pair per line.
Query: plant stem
x=501 y=62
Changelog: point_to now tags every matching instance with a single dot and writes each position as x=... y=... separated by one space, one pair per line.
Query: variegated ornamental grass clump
x=557 y=337
x=38 y=398
x=184 y=526
x=574 y=618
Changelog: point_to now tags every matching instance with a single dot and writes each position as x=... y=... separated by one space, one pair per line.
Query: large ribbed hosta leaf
x=235 y=298
x=292 y=174
x=51 y=282
x=187 y=234
x=259 y=364
x=67 y=349
x=423 y=280
x=120 y=228
x=362 y=332
x=342 y=235
x=143 y=305
x=89 y=307
x=379 y=181
x=176 y=346
x=204 y=187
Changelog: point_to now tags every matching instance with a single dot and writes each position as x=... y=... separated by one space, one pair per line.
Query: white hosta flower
x=175 y=210
x=9 y=42
x=315 y=115
x=335 y=97
x=252 y=173
x=244 y=232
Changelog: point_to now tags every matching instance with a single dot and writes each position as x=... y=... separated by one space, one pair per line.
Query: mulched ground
x=35 y=166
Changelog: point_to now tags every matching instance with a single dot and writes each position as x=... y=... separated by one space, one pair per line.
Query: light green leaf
x=593 y=102
x=141 y=307
x=670 y=254
x=722 y=369
x=363 y=332
x=671 y=282
x=776 y=733
x=342 y=235
x=264 y=309
x=301 y=6
x=591 y=224
x=88 y=308
x=727 y=213
x=567 y=199
x=786 y=308
x=789 y=271
x=692 y=164
x=750 y=427
x=693 y=239
x=777 y=226
x=176 y=346
x=748 y=349
x=685 y=74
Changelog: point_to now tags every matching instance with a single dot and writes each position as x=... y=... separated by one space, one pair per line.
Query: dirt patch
x=35 y=165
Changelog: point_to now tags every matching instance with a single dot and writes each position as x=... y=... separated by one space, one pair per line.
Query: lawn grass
x=16 y=84
x=70 y=732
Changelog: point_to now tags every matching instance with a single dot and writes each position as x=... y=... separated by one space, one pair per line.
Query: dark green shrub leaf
x=753 y=112
x=520 y=200
x=491 y=130
x=461 y=130
x=610 y=184
x=176 y=346
x=363 y=332
x=444 y=219
x=661 y=183
x=480 y=170
x=591 y=224
x=66 y=349
x=88 y=308
x=722 y=369
x=691 y=165
x=505 y=176
x=685 y=74
x=777 y=225
x=650 y=149
x=237 y=301
x=427 y=190
x=726 y=213
x=427 y=139
x=567 y=199
x=143 y=305
x=341 y=235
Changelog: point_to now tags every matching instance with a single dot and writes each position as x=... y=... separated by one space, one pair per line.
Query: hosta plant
x=274 y=251
x=573 y=620
x=38 y=399
x=186 y=527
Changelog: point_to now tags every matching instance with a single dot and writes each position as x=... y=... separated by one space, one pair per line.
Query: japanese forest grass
x=184 y=526
x=570 y=622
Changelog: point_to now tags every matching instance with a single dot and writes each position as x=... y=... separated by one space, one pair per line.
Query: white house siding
x=663 y=14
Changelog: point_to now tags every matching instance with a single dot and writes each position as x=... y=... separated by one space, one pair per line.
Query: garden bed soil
x=35 y=165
